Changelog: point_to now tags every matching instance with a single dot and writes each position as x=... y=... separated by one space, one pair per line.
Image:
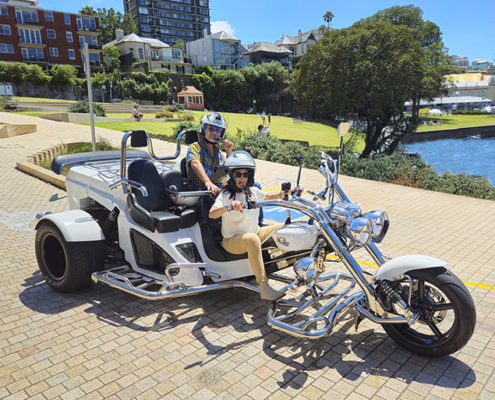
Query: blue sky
x=467 y=27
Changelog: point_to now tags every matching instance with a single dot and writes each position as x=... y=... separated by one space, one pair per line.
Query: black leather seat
x=211 y=233
x=153 y=211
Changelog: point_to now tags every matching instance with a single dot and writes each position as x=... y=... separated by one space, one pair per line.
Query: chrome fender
x=400 y=265
x=75 y=225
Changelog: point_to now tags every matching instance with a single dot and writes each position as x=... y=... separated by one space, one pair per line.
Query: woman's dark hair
x=260 y=127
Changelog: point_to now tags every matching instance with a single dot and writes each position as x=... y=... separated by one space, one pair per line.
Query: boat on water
x=473 y=137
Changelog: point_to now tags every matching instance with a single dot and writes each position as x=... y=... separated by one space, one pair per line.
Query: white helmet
x=241 y=160
x=213 y=119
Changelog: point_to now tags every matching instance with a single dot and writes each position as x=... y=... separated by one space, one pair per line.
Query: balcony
x=84 y=30
x=28 y=22
x=35 y=59
x=96 y=64
x=91 y=46
x=165 y=59
x=39 y=43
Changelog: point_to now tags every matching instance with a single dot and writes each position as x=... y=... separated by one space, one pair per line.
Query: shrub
x=187 y=117
x=179 y=107
x=102 y=144
x=4 y=101
x=82 y=107
x=164 y=114
x=169 y=108
x=424 y=111
x=184 y=125
x=472 y=112
x=128 y=101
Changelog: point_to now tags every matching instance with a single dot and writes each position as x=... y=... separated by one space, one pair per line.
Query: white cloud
x=217 y=26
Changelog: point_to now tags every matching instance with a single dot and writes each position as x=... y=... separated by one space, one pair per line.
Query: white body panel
x=401 y=265
x=76 y=226
x=85 y=185
x=296 y=236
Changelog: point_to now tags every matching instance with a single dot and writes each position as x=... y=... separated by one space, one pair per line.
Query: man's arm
x=228 y=146
x=201 y=174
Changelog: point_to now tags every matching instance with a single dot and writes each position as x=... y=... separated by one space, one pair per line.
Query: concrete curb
x=42 y=173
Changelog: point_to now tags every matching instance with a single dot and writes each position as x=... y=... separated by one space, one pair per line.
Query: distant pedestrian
x=454 y=109
x=263 y=117
x=269 y=119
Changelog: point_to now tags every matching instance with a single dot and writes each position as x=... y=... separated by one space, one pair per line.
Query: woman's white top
x=235 y=222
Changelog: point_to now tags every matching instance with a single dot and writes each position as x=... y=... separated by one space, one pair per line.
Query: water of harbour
x=473 y=157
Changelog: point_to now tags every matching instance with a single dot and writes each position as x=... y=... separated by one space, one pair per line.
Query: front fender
x=75 y=225
x=401 y=265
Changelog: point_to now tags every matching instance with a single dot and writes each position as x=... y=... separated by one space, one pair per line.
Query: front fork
x=369 y=288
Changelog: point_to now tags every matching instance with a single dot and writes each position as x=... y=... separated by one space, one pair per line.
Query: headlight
x=359 y=230
x=380 y=223
x=307 y=269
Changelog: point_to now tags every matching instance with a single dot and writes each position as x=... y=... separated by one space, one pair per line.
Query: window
x=143 y=10
x=72 y=54
x=94 y=57
x=48 y=16
x=30 y=36
x=67 y=19
x=50 y=34
x=481 y=93
x=3 y=10
x=86 y=23
x=90 y=40
x=68 y=35
x=32 y=54
x=5 y=30
x=6 y=48
x=141 y=54
x=175 y=54
x=53 y=52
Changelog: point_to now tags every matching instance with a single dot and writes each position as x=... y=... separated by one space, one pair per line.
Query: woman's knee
x=251 y=239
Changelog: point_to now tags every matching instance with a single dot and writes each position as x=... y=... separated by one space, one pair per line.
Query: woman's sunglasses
x=240 y=174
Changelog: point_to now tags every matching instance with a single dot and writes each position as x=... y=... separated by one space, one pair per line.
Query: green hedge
x=472 y=112
x=82 y=107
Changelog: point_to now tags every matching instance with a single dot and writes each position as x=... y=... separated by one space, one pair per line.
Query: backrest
x=145 y=173
x=183 y=167
x=204 y=205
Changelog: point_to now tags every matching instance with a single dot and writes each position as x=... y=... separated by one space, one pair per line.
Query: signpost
x=90 y=95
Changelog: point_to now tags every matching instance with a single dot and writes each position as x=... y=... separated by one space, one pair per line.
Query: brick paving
x=103 y=343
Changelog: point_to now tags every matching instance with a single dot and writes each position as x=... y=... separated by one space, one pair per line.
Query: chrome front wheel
x=447 y=313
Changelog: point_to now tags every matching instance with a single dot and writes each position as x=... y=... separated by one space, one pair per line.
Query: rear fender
x=75 y=225
x=400 y=265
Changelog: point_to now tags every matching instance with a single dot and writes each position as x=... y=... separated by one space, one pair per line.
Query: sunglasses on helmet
x=239 y=174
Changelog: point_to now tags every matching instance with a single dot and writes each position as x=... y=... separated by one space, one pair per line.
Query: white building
x=219 y=50
x=160 y=56
x=485 y=64
x=298 y=45
x=460 y=61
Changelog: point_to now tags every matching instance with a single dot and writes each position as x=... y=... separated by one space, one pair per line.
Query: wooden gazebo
x=191 y=98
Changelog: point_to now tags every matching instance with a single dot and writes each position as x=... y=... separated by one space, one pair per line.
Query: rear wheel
x=66 y=266
x=448 y=314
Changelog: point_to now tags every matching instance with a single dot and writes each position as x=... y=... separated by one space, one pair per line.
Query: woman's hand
x=237 y=205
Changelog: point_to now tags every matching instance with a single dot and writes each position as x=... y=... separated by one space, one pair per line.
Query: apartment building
x=298 y=45
x=169 y=21
x=33 y=35
x=220 y=50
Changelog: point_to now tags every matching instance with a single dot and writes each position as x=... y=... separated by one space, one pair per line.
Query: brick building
x=169 y=21
x=33 y=35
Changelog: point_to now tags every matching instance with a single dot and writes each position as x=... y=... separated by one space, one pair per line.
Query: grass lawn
x=280 y=127
x=456 y=121
x=17 y=98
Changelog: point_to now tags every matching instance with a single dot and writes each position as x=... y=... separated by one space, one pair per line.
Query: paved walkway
x=102 y=343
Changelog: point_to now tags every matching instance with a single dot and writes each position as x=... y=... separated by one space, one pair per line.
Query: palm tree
x=322 y=29
x=328 y=17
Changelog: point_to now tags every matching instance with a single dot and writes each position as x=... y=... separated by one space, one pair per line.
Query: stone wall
x=483 y=131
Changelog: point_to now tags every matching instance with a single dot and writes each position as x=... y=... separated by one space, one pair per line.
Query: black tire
x=66 y=266
x=448 y=316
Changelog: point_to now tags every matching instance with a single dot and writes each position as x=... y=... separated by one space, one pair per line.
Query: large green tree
x=88 y=10
x=110 y=20
x=429 y=35
x=366 y=73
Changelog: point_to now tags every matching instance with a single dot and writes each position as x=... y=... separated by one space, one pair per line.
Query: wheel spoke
x=435 y=329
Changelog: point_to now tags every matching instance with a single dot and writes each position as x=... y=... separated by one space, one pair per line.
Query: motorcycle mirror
x=343 y=129
x=220 y=171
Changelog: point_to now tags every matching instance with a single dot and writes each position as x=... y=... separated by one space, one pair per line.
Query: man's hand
x=214 y=188
x=228 y=146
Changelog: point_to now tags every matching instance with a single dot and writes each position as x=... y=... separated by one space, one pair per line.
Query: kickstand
x=357 y=321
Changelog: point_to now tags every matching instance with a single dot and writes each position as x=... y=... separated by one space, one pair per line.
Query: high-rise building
x=170 y=20
x=33 y=35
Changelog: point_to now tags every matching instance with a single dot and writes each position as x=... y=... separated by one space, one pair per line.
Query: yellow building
x=475 y=84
